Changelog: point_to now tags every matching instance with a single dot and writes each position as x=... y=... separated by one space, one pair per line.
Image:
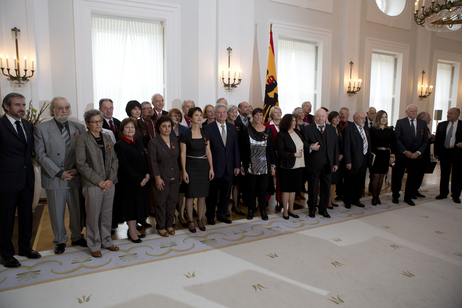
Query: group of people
x=115 y=171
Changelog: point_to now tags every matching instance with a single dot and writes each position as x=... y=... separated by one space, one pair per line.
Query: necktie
x=223 y=134
x=321 y=129
x=66 y=138
x=21 y=132
x=363 y=136
x=447 y=141
x=112 y=127
x=413 y=127
x=370 y=124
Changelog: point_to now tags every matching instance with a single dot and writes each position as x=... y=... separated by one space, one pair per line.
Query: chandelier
x=443 y=17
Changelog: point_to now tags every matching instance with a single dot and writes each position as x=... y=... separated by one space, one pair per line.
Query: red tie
x=112 y=127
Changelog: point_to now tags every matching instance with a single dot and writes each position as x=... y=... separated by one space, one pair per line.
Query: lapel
x=163 y=145
x=317 y=133
x=56 y=135
x=8 y=124
x=218 y=133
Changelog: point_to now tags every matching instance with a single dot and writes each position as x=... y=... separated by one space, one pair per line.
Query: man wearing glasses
x=158 y=104
x=106 y=106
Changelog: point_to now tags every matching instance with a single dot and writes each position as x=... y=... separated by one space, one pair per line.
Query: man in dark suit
x=55 y=152
x=371 y=112
x=244 y=112
x=16 y=180
x=448 y=149
x=106 y=106
x=426 y=155
x=411 y=142
x=321 y=160
x=226 y=164
x=344 y=114
x=158 y=104
x=309 y=118
x=357 y=157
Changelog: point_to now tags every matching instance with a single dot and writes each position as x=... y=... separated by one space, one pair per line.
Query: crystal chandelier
x=437 y=17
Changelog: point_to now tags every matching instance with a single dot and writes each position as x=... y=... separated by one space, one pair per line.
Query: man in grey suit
x=55 y=152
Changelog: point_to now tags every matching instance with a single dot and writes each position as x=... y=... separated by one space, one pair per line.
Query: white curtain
x=127 y=61
x=442 y=88
x=296 y=74
x=382 y=81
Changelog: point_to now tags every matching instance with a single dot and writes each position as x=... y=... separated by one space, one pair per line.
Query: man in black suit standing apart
x=16 y=180
x=226 y=164
x=158 y=104
x=357 y=157
x=426 y=157
x=448 y=149
x=106 y=106
x=411 y=141
x=321 y=160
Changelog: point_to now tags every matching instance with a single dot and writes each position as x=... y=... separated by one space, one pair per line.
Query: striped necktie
x=363 y=136
x=66 y=138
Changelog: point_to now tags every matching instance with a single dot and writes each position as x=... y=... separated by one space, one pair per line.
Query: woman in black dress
x=258 y=159
x=383 y=142
x=334 y=119
x=133 y=110
x=132 y=194
x=197 y=166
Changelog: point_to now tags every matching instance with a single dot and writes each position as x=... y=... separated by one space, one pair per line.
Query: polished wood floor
x=43 y=235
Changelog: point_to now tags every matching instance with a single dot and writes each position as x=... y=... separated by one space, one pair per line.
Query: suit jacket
x=164 y=161
x=90 y=163
x=353 y=146
x=313 y=159
x=225 y=159
x=116 y=127
x=154 y=116
x=53 y=155
x=285 y=149
x=311 y=117
x=440 y=138
x=16 y=168
x=405 y=140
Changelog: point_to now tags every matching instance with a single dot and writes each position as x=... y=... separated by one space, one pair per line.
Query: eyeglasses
x=176 y=116
x=159 y=100
x=96 y=122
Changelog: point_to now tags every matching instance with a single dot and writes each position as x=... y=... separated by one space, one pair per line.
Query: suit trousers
x=98 y=206
x=257 y=186
x=21 y=199
x=340 y=186
x=313 y=183
x=450 y=162
x=354 y=182
x=412 y=166
x=165 y=203
x=220 y=189
x=57 y=199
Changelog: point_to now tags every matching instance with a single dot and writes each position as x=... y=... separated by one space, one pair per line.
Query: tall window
x=445 y=88
x=297 y=74
x=128 y=60
x=383 y=84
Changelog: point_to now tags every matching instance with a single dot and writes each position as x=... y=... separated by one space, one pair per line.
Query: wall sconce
x=228 y=85
x=16 y=78
x=426 y=93
x=355 y=89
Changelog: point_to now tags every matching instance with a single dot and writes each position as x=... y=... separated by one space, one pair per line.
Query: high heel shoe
x=237 y=211
x=184 y=224
x=285 y=217
x=333 y=204
x=293 y=215
x=199 y=223
x=192 y=230
x=134 y=241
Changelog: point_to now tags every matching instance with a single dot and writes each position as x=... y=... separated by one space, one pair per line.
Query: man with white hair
x=371 y=112
x=55 y=152
x=309 y=118
x=411 y=141
x=158 y=104
x=188 y=104
x=223 y=101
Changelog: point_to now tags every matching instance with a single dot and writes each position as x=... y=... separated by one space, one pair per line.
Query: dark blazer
x=311 y=117
x=225 y=159
x=245 y=149
x=181 y=129
x=285 y=149
x=353 y=146
x=441 y=138
x=164 y=161
x=154 y=116
x=313 y=159
x=405 y=140
x=16 y=168
x=116 y=127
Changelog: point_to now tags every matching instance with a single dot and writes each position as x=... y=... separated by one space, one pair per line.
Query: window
x=383 y=94
x=297 y=74
x=128 y=60
x=445 y=88
x=391 y=7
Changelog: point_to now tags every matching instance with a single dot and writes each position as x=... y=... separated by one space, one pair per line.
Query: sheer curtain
x=296 y=74
x=443 y=88
x=127 y=61
x=382 y=82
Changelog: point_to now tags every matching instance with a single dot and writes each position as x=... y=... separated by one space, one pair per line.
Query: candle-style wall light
x=15 y=77
x=425 y=92
x=230 y=86
x=355 y=88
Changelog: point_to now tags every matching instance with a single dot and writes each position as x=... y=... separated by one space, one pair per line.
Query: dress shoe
x=263 y=214
x=325 y=214
x=285 y=217
x=250 y=215
x=10 y=262
x=456 y=200
x=347 y=205
x=238 y=211
x=374 y=201
x=414 y=197
x=334 y=204
x=440 y=197
x=96 y=254
x=409 y=201
x=378 y=201
x=59 y=248
x=224 y=219
x=200 y=224
x=210 y=221
x=293 y=215
x=395 y=200
x=162 y=233
x=312 y=214
x=193 y=228
x=330 y=207
x=171 y=231
x=31 y=254
x=113 y=248
x=417 y=194
x=358 y=204
x=80 y=242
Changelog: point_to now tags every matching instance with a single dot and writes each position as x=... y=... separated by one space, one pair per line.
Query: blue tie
x=21 y=133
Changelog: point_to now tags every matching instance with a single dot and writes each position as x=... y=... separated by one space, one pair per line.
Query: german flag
x=271 y=88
